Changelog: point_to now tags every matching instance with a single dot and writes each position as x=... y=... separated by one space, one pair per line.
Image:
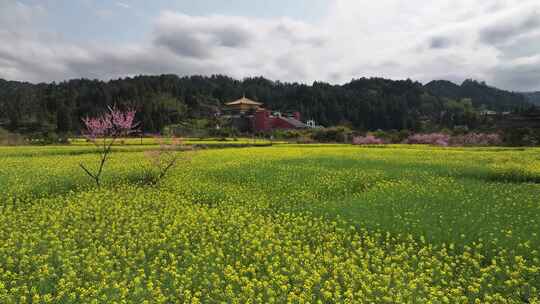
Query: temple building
x=247 y=114
x=242 y=106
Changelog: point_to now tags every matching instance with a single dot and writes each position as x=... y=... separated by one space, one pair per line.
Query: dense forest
x=482 y=95
x=362 y=104
x=533 y=97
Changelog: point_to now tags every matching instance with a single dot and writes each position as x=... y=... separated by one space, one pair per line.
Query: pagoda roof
x=243 y=101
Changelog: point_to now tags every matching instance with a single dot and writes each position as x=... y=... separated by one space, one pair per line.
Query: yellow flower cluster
x=288 y=224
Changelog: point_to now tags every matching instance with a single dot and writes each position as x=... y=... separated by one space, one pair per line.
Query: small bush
x=287 y=134
x=460 y=130
x=224 y=132
x=11 y=139
x=336 y=134
x=521 y=137
x=163 y=160
x=392 y=136
x=305 y=139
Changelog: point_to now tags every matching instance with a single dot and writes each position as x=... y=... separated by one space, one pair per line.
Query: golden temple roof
x=243 y=101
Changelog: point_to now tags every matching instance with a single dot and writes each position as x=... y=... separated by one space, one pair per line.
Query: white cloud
x=451 y=39
x=430 y=40
x=123 y=5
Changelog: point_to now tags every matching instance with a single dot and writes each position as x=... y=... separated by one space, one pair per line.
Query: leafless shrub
x=164 y=159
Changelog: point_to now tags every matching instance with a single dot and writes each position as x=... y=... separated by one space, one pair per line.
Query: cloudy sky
x=497 y=41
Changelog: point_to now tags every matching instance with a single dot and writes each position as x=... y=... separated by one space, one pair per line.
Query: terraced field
x=299 y=224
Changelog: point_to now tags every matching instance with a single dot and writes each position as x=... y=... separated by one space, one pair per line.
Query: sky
x=497 y=41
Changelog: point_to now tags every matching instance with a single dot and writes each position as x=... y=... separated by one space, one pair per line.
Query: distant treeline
x=362 y=104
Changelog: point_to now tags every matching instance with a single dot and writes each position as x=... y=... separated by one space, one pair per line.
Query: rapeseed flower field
x=282 y=224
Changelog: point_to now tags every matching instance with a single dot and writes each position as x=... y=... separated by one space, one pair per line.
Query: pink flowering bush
x=476 y=139
x=103 y=132
x=441 y=139
x=438 y=139
x=367 y=140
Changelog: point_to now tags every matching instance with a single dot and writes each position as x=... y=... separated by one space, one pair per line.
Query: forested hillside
x=533 y=97
x=365 y=104
x=481 y=95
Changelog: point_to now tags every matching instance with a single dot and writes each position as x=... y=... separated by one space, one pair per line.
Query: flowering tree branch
x=98 y=130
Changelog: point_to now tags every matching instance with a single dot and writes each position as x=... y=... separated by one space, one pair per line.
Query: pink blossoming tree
x=476 y=139
x=103 y=132
x=437 y=139
x=367 y=140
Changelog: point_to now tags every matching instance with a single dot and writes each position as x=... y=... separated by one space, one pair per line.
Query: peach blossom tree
x=103 y=131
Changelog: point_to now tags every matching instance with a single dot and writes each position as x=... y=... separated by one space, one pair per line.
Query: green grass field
x=287 y=223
